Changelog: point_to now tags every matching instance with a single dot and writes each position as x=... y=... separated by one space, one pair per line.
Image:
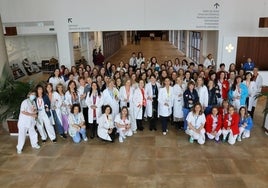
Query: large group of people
x=110 y=101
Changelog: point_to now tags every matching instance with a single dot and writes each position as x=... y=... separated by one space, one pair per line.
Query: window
x=194 y=46
x=182 y=41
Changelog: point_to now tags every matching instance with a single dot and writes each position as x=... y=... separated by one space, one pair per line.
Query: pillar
x=125 y=38
x=5 y=70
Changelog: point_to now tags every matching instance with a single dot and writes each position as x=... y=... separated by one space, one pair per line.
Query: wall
x=35 y=48
x=235 y=18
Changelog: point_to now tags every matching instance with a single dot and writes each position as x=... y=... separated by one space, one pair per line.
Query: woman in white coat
x=139 y=103
x=94 y=102
x=202 y=92
x=77 y=126
x=252 y=92
x=196 y=122
x=27 y=121
x=122 y=124
x=178 y=91
x=44 y=113
x=56 y=79
x=71 y=95
x=165 y=103
x=151 y=91
x=106 y=128
x=125 y=96
x=111 y=97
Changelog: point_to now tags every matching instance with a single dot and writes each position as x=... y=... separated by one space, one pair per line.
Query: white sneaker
x=239 y=139
x=19 y=151
x=86 y=139
x=36 y=146
x=164 y=133
x=135 y=132
x=121 y=139
x=167 y=130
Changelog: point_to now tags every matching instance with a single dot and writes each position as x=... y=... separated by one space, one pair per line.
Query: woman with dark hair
x=223 y=86
x=214 y=124
x=190 y=97
x=108 y=68
x=196 y=121
x=56 y=79
x=122 y=124
x=77 y=126
x=94 y=102
x=118 y=83
x=71 y=95
x=213 y=96
x=238 y=93
x=230 y=128
x=252 y=92
x=245 y=124
x=140 y=59
x=106 y=129
x=44 y=113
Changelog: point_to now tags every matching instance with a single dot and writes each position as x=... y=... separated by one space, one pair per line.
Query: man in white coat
x=165 y=103
x=151 y=91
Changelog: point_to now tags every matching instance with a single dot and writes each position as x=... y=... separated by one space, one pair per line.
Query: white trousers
x=132 y=119
x=44 y=120
x=216 y=137
x=23 y=129
x=232 y=138
x=199 y=137
x=244 y=133
x=123 y=133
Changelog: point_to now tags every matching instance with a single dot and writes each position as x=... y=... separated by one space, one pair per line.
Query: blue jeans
x=77 y=137
x=185 y=113
x=58 y=124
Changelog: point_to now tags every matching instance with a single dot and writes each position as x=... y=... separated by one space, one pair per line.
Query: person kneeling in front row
x=123 y=124
x=214 y=124
x=77 y=127
x=196 y=121
x=106 y=129
x=27 y=121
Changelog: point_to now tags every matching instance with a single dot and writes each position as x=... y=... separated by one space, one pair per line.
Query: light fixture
x=229 y=48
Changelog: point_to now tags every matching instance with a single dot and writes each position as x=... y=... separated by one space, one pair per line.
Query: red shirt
x=234 y=122
x=209 y=123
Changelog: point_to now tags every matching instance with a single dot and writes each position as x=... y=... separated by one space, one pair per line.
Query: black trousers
x=85 y=113
x=93 y=127
x=113 y=134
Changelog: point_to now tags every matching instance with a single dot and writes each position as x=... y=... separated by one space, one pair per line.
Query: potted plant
x=12 y=93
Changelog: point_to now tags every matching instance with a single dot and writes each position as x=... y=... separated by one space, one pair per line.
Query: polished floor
x=145 y=160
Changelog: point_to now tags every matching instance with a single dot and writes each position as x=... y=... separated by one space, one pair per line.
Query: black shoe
x=54 y=141
x=44 y=141
x=151 y=129
x=155 y=129
x=63 y=136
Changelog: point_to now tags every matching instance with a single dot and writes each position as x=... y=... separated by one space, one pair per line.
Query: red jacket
x=209 y=123
x=234 y=123
x=225 y=89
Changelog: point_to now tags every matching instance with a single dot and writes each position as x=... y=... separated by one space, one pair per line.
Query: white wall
x=35 y=48
x=236 y=18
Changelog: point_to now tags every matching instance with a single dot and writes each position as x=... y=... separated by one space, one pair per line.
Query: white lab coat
x=56 y=105
x=252 y=91
x=99 y=103
x=137 y=101
x=55 y=81
x=26 y=124
x=112 y=100
x=178 y=100
x=105 y=124
x=165 y=97
x=123 y=96
x=149 y=93
x=122 y=131
x=80 y=92
x=68 y=98
x=203 y=95
x=259 y=82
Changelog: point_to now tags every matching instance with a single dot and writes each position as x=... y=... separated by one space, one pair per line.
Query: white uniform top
x=26 y=106
x=208 y=62
x=203 y=95
x=120 y=121
x=196 y=120
x=165 y=97
x=80 y=92
x=55 y=81
x=75 y=120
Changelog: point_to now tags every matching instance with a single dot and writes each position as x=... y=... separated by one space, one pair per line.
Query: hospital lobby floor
x=146 y=160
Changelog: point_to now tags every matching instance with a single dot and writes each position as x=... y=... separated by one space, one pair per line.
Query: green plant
x=12 y=93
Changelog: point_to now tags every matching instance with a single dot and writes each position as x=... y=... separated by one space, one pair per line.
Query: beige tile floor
x=147 y=159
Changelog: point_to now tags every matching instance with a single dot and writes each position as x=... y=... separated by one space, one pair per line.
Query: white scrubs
x=26 y=124
x=122 y=131
x=196 y=121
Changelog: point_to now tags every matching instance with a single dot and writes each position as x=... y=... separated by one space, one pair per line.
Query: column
x=125 y=38
x=5 y=70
